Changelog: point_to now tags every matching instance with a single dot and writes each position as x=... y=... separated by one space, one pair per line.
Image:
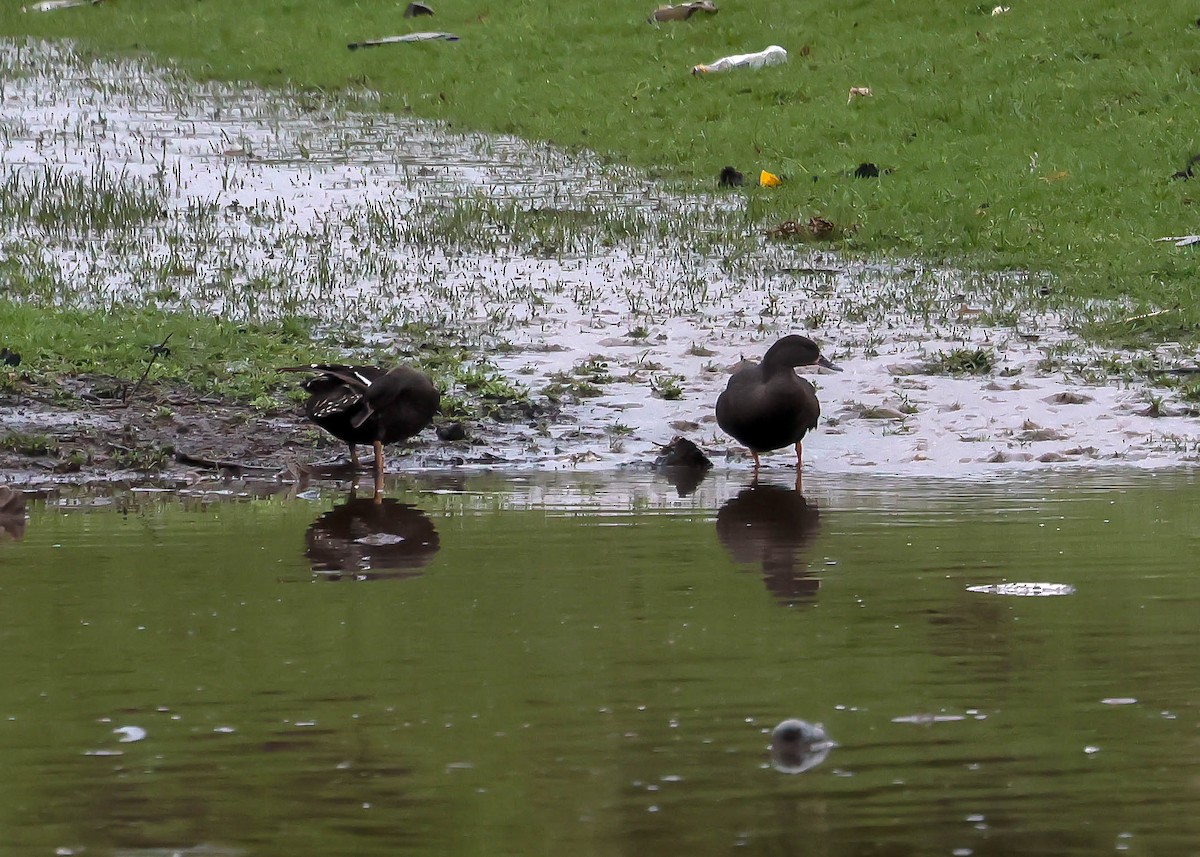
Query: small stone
x=451 y=432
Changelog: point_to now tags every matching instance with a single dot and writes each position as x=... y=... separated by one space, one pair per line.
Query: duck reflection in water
x=371 y=539
x=770 y=526
x=12 y=514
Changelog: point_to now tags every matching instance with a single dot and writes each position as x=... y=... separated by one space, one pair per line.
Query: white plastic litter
x=54 y=5
x=774 y=55
x=408 y=37
x=1182 y=240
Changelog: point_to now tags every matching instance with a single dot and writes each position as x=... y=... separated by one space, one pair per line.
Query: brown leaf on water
x=784 y=230
x=815 y=228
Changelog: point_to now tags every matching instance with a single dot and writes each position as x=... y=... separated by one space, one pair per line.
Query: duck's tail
x=317 y=367
x=354 y=376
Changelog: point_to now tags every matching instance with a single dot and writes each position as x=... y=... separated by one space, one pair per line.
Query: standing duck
x=367 y=404
x=766 y=405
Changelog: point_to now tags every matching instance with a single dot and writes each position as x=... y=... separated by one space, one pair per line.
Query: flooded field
x=565 y=663
x=983 y=596
x=621 y=303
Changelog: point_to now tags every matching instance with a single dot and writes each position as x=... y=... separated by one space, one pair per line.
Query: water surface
x=592 y=664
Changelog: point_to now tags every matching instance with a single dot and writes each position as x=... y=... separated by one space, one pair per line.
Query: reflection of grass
x=144 y=458
x=1191 y=394
x=667 y=386
x=29 y=444
x=56 y=203
x=594 y=369
x=564 y=388
x=484 y=224
x=963 y=361
x=976 y=172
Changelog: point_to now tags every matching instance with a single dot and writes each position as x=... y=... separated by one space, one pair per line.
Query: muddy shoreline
x=83 y=433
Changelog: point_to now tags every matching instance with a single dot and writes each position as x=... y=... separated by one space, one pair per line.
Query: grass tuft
x=963 y=361
x=55 y=203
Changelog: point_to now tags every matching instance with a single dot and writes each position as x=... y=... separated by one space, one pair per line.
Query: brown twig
x=217 y=464
x=155 y=350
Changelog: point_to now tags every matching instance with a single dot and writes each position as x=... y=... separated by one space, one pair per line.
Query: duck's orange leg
x=757 y=463
x=799 y=455
x=378 y=465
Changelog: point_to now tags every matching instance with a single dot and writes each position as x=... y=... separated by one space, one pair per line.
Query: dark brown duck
x=369 y=404
x=766 y=405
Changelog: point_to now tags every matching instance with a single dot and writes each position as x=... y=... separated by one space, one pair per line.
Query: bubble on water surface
x=798 y=746
x=130 y=734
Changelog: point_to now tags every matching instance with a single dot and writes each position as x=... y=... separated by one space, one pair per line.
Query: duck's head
x=796 y=350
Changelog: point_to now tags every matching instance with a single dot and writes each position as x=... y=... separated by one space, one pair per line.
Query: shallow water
x=591 y=664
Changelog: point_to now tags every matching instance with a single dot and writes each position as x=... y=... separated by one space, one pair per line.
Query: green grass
x=208 y=355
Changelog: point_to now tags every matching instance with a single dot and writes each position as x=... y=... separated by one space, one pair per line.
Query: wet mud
x=83 y=431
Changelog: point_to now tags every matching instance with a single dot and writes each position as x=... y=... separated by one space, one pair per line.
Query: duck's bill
x=824 y=361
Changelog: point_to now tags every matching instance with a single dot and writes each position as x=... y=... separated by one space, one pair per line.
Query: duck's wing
x=406 y=398
x=386 y=391
x=337 y=399
x=812 y=405
x=335 y=388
